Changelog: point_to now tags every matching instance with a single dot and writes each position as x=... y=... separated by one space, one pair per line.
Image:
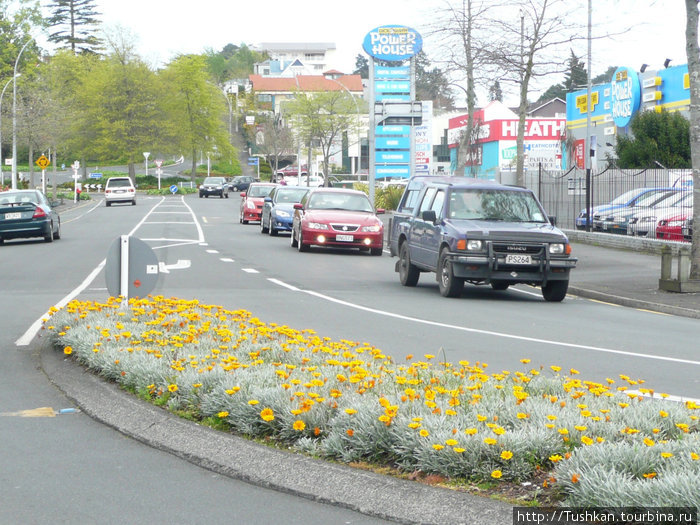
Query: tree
x=604 y=77
x=323 y=117
x=495 y=92
x=277 y=141
x=693 y=55
x=656 y=137
x=576 y=77
x=361 y=66
x=74 y=23
x=432 y=83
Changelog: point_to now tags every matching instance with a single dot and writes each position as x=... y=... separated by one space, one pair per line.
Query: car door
x=432 y=232
x=418 y=251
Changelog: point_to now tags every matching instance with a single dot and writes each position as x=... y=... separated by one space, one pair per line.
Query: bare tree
x=693 y=54
x=461 y=29
x=277 y=141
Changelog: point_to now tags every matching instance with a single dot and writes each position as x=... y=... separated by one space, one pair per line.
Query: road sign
x=43 y=162
x=134 y=261
x=159 y=162
x=253 y=161
x=173 y=189
x=96 y=175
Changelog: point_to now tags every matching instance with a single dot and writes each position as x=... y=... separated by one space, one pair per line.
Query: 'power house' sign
x=393 y=43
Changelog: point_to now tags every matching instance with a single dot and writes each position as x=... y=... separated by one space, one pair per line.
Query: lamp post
x=2 y=173
x=14 y=115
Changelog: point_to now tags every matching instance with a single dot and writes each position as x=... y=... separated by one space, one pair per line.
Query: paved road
x=339 y=294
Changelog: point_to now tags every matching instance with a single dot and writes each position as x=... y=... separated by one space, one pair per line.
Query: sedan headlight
x=557 y=248
x=317 y=226
x=375 y=228
x=282 y=213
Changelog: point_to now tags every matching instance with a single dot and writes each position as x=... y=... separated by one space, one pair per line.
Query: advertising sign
x=625 y=93
x=393 y=43
x=392 y=143
x=579 y=153
x=392 y=171
x=393 y=73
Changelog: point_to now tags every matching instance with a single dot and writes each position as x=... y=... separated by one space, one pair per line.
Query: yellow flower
x=666 y=455
x=555 y=368
x=172 y=388
x=222 y=414
x=438 y=446
x=663 y=413
x=299 y=425
x=525 y=361
x=555 y=458
x=350 y=411
x=267 y=415
x=451 y=442
x=429 y=356
x=649 y=475
x=694 y=456
x=586 y=440
x=458 y=450
x=253 y=402
x=424 y=433
x=563 y=431
x=649 y=442
x=414 y=425
x=68 y=350
x=470 y=431
x=233 y=390
x=496 y=474
x=506 y=454
x=521 y=415
x=490 y=441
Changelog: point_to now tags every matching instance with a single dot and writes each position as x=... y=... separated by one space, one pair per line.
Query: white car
x=314 y=182
x=120 y=189
x=644 y=223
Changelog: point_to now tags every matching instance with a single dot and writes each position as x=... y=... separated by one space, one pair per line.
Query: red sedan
x=671 y=228
x=252 y=201
x=337 y=217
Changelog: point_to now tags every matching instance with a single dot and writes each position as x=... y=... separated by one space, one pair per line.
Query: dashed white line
x=250 y=270
x=212 y=251
x=226 y=259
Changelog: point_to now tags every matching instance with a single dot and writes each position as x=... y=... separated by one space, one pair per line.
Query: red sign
x=579 y=155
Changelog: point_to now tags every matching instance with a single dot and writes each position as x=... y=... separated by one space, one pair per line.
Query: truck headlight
x=474 y=245
x=557 y=248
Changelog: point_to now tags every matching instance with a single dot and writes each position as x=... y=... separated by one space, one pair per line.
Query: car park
x=278 y=209
x=28 y=213
x=339 y=218
x=627 y=199
x=214 y=186
x=616 y=220
x=241 y=182
x=644 y=223
x=671 y=228
x=481 y=232
x=120 y=189
x=252 y=201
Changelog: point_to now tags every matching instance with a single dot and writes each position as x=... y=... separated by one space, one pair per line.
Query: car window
x=427 y=199
x=289 y=195
x=321 y=200
x=495 y=205
x=260 y=191
x=119 y=183
x=438 y=202
x=213 y=180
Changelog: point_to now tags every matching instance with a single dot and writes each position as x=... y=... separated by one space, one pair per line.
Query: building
x=288 y=59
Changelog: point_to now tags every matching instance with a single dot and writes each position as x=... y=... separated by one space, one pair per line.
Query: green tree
x=575 y=77
x=323 y=117
x=604 y=77
x=17 y=21
x=361 y=66
x=432 y=83
x=74 y=24
x=196 y=108
x=656 y=137
x=495 y=92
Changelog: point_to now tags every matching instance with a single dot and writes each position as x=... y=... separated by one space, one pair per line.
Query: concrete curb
x=336 y=484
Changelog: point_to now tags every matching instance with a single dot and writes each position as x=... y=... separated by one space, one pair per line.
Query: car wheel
x=500 y=285
x=133 y=203
x=300 y=245
x=408 y=273
x=375 y=251
x=206 y=196
x=49 y=236
x=555 y=291
x=227 y=195
x=450 y=286
x=57 y=233
x=108 y=204
x=200 y=195
x=273 y=232
x=293 y=240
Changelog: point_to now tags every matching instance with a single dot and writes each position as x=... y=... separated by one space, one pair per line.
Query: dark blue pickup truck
x=480 y=232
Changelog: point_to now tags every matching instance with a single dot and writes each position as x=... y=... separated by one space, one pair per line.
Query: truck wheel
x=450 y=286
x=555 y=291
x=408 y=273
x=500 y=285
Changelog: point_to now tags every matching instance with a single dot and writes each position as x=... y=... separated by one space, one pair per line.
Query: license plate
x=119 y=191
x=518 y=259
x=605 y=226
x=686 y=231
x=344 y=238
x=10 y=216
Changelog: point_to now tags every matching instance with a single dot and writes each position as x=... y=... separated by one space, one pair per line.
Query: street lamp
x=14 y=116
x=2 y=173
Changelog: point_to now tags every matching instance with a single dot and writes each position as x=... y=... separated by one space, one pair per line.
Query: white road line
x=212 y=251
x=83 y=214
x=282 y=283
x=489 y=332
x=226 y=259
x=250 y=270
x=170 y=222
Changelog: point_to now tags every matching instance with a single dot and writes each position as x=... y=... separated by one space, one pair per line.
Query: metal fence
x=563 y=193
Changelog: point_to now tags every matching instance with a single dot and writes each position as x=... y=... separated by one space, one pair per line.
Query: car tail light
x=39 y=213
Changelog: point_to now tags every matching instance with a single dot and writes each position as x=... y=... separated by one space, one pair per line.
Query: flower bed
x=599 y=444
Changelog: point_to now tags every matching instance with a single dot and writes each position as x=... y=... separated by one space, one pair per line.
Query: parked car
x=480 y=232
x=252 y=201
x=313 y=182
x=337 y=217
x=629 y=198
x=241 y=182
x=213 y=186
x=671 y=228
x=615 y=220
x=278 y=209
x=120 y=189
x=644 y=223
x=28 y=213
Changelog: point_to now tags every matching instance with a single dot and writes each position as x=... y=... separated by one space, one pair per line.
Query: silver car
x=643 y=223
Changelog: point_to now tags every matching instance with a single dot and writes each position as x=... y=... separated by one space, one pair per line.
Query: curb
x=336 y=484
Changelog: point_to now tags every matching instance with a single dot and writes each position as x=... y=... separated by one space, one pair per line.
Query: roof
x=296 y=46
x=352 y=83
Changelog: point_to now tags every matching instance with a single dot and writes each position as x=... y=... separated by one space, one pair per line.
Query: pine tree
x=495 y=92
x=74 y=23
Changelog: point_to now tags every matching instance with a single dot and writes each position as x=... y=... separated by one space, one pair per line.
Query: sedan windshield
x=260 y=191
x=19 y=197
x=214 y=180
x=290 y=195
x=339 y=201
x=495 y=205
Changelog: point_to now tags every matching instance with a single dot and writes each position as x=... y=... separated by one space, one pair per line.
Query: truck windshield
x=494 y=205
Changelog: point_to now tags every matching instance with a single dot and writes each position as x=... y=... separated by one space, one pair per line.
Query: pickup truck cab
x=480 y=232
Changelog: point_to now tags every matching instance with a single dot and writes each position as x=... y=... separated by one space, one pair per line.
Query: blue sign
x=393 y=156
x=625 y=94
x=392 y=86
x=392 y=43
x=392 y=97
x=393 y=130
x=392 y=73
x=392 y=143
x=96 y=175
x=253 y=161
x=173 y=189
x=389 y=170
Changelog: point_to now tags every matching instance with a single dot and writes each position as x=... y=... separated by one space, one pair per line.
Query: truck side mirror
x=552 y=220
x=429 y=216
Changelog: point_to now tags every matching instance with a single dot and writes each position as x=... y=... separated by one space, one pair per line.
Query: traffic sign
x=159 y=162
x=43 y=162
x=253 y=161
x=131 y=268
x=173 y=189
x=96 y=175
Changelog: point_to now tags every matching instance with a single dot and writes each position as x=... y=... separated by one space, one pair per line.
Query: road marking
x=212 y=251
x=490 y=332
x=181 y=264
x=82 y=214
x=34 y=412
x=282 y=283
x=226 y=259
x=204 y=220
x=250 y=270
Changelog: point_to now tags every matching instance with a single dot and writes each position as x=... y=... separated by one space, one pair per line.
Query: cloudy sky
x=653 y=29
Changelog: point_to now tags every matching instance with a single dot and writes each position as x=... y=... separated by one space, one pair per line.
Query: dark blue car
x=278 y=209
x=28 y=213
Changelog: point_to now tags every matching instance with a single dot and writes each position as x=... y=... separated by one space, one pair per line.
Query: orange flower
x=267 y=415
x=574 y=478
x=317 y=431
x=350 y=432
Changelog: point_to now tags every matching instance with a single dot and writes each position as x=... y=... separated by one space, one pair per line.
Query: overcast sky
x=165 y=28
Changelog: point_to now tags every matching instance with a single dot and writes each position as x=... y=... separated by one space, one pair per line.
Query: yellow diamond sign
x=42 y=162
